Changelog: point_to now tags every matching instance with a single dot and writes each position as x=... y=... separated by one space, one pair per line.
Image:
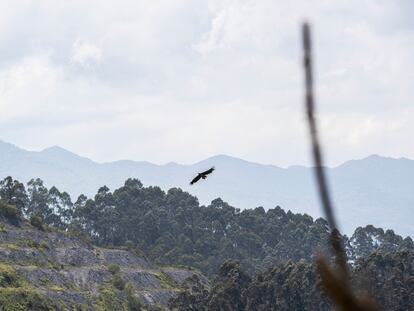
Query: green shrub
x=81 y=307
x=8 y=277
x=109 y=301
x=10 y=212
x=118 y=282
x=134 y=302
x=114 y=269
x=32 y=243
x=44 y=245
x=37 y=221
x=129 y=245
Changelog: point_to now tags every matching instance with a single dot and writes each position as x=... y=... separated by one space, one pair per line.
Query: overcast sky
x=182 y=80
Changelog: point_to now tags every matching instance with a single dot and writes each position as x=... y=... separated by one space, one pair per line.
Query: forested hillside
x=267 y=255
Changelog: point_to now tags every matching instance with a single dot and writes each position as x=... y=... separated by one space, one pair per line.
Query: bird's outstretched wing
x=202 y=175
x=197 y=178
x=208 y=171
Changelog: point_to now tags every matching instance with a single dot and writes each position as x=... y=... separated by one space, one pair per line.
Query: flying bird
x=202 y=175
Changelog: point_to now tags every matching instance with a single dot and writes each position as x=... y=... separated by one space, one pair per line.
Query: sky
x=183 y=80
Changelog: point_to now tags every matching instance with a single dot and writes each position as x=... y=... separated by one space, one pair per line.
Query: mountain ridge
x=57 y=149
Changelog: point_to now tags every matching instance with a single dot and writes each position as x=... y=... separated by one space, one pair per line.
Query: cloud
x=181 y=80
x=85 y=53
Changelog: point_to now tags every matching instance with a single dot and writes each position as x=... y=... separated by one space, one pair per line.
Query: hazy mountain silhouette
x=374 y=190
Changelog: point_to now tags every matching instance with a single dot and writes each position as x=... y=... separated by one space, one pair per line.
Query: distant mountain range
x=374 y=190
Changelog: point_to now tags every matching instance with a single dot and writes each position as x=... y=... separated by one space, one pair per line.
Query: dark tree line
x=173 y=228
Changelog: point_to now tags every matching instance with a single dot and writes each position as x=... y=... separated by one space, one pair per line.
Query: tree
x=61 y=206
x=39 y=201
x=105 y=217
x=228 y=289
x=13 y=192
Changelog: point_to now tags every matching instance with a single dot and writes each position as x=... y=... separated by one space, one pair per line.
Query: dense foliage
x=389 y=278
x=289 y=286
x=172 y=228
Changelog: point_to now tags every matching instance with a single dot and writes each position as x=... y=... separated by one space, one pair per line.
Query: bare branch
x=335 y=281
x=317 y=155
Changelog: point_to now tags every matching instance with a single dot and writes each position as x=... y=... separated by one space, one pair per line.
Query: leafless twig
x=335 y=281
x=317 y=155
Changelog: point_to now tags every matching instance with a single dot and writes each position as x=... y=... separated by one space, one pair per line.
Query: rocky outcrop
x=74 y=274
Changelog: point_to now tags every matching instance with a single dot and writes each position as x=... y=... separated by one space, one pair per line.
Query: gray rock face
x=76 y=256
x=122 y=258
x=160 y=296
x=143 y=280
x=178 y=275
x=44 y=276
x=66 y=269
x=67 y=297
x=23 y=256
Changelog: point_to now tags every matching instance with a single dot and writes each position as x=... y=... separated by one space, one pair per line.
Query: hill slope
x=66 y=273
x=374 y=190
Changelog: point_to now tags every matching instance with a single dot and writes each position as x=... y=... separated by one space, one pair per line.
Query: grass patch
x=56 y=288
x=109 y=300
x=3 y=228
x=112 y=298
x=11 y=246
x=33 y=244
x=21 y=299
x=114 y=269
x=166 y=281
x=8 y=276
